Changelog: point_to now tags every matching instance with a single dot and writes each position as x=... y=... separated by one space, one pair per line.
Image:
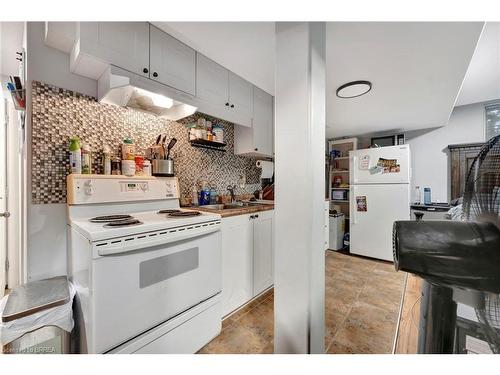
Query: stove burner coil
x=184 y=214
x=168 y=211
x=123 y=223
x=110 y=218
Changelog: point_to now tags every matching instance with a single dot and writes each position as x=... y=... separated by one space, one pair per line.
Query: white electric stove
x=147 y=273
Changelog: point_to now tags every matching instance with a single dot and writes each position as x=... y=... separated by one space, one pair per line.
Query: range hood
x=123 y=88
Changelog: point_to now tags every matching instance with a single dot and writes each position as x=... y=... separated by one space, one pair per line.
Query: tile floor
x=362 y=306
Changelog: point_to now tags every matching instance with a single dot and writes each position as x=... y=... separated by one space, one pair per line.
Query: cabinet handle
x=227 y=104
x=155 y=74
x=232 y=105
x=145 y=70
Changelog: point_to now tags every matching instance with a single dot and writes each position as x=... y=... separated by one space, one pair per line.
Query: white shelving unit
x=339 y=166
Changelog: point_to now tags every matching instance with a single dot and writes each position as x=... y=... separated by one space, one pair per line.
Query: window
x=492 y=121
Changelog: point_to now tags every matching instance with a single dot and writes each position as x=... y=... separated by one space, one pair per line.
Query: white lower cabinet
x=247 y=258
x=263 y=254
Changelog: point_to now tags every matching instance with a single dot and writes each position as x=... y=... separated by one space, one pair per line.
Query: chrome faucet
x=231 y=191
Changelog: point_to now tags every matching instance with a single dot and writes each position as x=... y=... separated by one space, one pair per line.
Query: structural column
x=300 y=180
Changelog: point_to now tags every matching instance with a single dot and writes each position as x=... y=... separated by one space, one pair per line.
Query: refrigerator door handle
x=353 y=205
x=352 y=172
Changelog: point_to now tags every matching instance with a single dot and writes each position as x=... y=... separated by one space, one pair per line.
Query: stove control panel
x=87 y=189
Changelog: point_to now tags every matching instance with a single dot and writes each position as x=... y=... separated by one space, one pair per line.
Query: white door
x=237 y=262
x=124 y=44
x=263 y=259
x=262 y=123
x=361 y=163
x=212 y=86
x=374 y=208
x=172 y=62
x=240 y=100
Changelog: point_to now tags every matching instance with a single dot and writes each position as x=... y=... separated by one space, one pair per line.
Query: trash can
x=37 y=318
x=337 y=226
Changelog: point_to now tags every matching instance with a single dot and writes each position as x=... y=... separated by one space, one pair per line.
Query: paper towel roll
x=267 y=168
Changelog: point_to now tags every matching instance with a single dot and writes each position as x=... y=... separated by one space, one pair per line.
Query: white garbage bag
x=59 y=316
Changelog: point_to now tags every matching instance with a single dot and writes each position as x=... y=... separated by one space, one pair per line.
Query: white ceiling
x=482 y=82
x=11 y=41
x=246 y=48
x=416 y=68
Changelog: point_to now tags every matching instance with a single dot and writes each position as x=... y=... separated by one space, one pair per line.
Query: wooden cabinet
x=237 y=263
x=263 y=262
x=171 y=62
x=461 y=158
x=259 y=139
x=222 y=93
x=124 y=44
x=247 y=258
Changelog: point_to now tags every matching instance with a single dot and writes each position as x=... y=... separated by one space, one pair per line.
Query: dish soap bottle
x=194 y=196
x=75 y=155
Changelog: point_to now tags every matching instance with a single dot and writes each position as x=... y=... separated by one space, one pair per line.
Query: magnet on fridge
x=364 y=162
x=361 y=203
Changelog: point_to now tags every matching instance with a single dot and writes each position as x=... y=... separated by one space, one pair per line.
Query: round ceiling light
x=354 y=89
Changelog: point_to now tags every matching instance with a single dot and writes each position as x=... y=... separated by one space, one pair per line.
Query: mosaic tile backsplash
x=59 y=114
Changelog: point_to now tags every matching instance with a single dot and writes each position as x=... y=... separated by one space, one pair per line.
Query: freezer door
x=374 y=208
x=361 y=163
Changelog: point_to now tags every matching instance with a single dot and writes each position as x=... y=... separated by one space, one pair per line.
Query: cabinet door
x=124 y=44
x=212 y=86
x=262 y=124
x=240 y=100
x=263 y=251
x=237 y=265
x=172 y=62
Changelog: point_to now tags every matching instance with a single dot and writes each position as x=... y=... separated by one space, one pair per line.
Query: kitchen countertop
x=237 y=211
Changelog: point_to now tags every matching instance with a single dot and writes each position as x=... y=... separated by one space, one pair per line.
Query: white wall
x=430 y=156
x=46 y=223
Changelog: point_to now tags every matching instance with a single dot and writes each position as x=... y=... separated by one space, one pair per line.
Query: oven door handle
x=113 y=248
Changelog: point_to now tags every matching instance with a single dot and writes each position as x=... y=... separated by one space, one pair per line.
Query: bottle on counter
x=427 y=195
x=139 y=164
x=106 y=159
x=204 y=194
x=146 y=168
x=418 y=196
x=128 y=149
x=116 y=166
x=86 y=159
x=213 y=196
x=194 y=196
x=75 y=155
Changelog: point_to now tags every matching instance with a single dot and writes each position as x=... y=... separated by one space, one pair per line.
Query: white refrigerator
x=379 y=195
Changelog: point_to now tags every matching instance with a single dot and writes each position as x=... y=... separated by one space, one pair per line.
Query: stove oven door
x=137 y=290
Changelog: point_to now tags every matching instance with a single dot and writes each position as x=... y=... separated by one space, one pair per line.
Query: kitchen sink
x=219 y=207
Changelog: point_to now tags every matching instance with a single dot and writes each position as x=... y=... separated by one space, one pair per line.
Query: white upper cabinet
x=124 y=44
x=240 y=100
x=222 y=93
x=171 y=62
x=259 y=139
x=212 y=86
